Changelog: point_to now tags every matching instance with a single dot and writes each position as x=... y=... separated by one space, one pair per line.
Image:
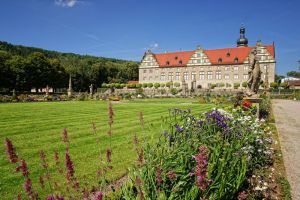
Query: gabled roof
x=228 y=55
x=174 y=59
x=235 y=55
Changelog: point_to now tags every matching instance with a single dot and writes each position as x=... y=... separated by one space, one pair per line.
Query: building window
x=265 y=67
x=236 y=76
x=162 y=76
x=176 y=57
x=220 y=60
x=167 y=63
x=193 y=76
x=150 y=78
x=201 y=68
x=144 y=78
x=235 y=68
x=180 y=62
x=228 y=54
x=218 y=68
x=201 y=75
x=236 y=60
x=186 y=76
x=227 y=68
x=145 y=71
x=150 y=70
x=226 y=76
x=209 y=75
x=262 y=57
x=170 y=77
x=245 y=76
x=246 y=68
x=218 y=75
x=177 y=77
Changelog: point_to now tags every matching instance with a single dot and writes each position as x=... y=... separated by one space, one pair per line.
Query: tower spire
x=242 y=41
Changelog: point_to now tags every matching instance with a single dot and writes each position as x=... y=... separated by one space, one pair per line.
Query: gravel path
x=287 y=120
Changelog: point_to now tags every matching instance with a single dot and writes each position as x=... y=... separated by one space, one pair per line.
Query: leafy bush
x=162 y=85
x=156 y=85
x=139 y=85
x=244 y=84
x=274 y=85
x=206 y=157
x=150 y=85
x=145 y=85
x=236 y=85
x=176 y=84
x=174 y=91
x=169 y=84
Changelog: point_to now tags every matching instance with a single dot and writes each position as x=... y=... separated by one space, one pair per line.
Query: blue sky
x=126 y=28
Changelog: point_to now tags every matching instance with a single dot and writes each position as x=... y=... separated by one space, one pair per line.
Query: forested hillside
x=23 y=68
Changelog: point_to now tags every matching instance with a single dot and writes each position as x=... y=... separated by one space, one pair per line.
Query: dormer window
x=180 y=62
x=228 y=54
x=176 y=57
x=220 y=60
x=167 y=63
x=236 y=60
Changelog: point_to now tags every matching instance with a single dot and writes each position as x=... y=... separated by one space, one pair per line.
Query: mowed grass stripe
x=35 y=126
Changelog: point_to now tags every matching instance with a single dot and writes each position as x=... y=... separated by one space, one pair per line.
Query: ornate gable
x=149 y=60
x=198 y=58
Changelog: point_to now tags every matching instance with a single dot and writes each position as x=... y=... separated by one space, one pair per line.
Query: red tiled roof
x=271 y=50
x=235 y=55
x=294 y=83
x=228 y=56
x=178 y=59
x=132 y=82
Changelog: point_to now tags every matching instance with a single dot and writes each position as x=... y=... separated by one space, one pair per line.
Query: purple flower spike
x=11 y=151
x=178 y=128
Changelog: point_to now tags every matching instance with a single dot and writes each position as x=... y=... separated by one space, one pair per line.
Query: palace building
x=200 y=68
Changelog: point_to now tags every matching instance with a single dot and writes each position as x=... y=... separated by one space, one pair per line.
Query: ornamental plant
x=205 y=156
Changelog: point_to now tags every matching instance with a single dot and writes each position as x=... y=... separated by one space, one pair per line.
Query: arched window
x=220 y=60
x=236 y=60
x=167 y=63
x=180 y=62
x=228 y=54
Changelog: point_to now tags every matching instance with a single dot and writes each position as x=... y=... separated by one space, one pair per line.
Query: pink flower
x=28 y=187
x=65 y=136
x=99 y=196
x=43 y=159
x=69 y=166
x=171 y=175
x=200 y=170
x=242 y=195
x=23 y=168
x=11 y=151
x=56 y=157
x=158 y=176
x=108 y=155
x=41 y=181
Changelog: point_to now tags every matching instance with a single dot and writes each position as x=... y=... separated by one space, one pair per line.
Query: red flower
x=69 y=166
x=246 y=104
x=11 y=151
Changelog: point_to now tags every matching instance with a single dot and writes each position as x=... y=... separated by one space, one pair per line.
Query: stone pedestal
x=255 y=101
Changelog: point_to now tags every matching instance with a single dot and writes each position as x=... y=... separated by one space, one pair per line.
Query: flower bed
x=209 y=156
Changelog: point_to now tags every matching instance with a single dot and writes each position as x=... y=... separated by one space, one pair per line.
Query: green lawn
x=36 y=126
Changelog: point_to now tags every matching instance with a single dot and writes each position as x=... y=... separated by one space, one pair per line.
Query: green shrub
x=156 y=85
x=169 y=84
x=104 y=85
x=150 y=85
x=244 y=84
x=236 y=85
x=145 y=85
x=176 y=84
x=139 y=85
x=274 y=85
x=162 y=85
x=174 y=91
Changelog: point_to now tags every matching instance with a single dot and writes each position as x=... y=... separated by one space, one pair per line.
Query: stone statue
x=254 y=74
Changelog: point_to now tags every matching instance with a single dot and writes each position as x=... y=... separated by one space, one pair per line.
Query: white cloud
x=66 y=3
x=152 y=46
